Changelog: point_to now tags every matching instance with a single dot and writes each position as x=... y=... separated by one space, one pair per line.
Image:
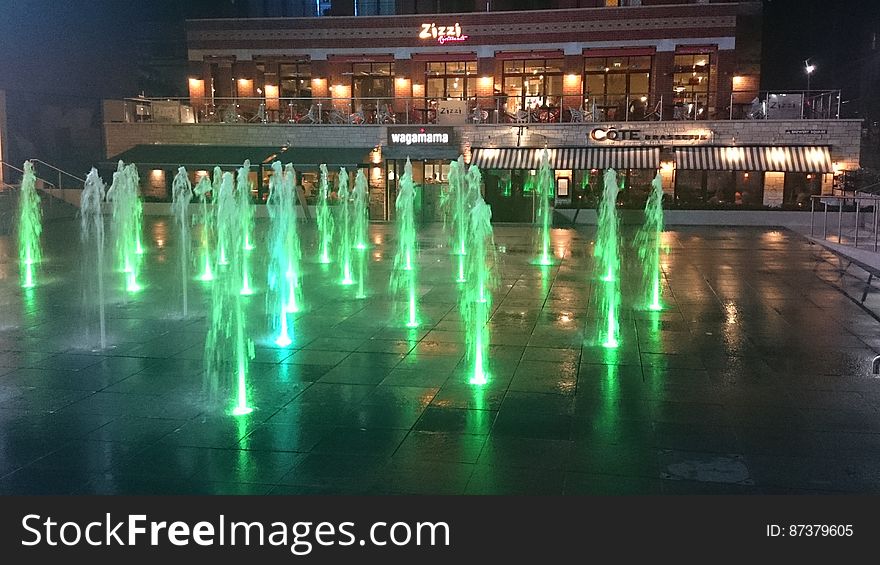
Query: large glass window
x=532 y=84
x=691 y=86
x=295 y=80
x=372 y=85
x=617 y=88
x=451 y=80
x=798 y=187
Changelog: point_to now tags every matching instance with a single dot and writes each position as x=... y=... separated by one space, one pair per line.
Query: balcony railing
x=496 y=109
x=378 y=111
x=785 y=105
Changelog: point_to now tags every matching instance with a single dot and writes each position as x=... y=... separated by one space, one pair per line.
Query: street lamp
x=809 y=68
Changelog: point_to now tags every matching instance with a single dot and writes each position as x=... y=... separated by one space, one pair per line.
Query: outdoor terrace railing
x=864 y=205
x=495 y=109
x=785 y=105
x=380 y=111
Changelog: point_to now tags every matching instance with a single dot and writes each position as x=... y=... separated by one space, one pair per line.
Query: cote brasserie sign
x=611 y=135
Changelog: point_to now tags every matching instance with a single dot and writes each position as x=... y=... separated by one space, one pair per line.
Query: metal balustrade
x=496 y=109
x=785 y=105
x=862 y=204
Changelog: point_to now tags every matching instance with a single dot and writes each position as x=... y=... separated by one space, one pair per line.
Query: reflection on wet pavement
x=753 y=379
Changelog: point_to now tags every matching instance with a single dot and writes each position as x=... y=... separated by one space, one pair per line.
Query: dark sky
x=81 y=47
x=87 y=47
x=829 y=32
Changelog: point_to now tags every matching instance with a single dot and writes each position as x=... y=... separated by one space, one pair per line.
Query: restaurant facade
x=667 y=86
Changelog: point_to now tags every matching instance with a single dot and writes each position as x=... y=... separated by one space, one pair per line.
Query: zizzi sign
x=612 y=134
x=420 y=136
x=443 y=34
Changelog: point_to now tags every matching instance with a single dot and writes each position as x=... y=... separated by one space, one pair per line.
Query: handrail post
x=838 y=106
x=825 y=220
x=875 y=224
x=858 y=207
x=812 y=209
x=731 y=114
x=842 y=201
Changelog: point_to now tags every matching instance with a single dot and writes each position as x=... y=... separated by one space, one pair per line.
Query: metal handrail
x=857 y=201
x=811 y=105
x=492 y=109
x=14 y=168
x=60 y=172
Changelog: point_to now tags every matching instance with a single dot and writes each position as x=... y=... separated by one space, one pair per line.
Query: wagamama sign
x=419 y=136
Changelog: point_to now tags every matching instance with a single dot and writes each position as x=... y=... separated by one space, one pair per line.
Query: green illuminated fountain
x=126 y=221
x=608 y=263
x=91 y=219
x=206 y=221
x=284 y=252
x=403 y=275
x=228 y=350
x=181 y=196
x=30 y=226
x=456 y=202
x=294 y=251
x=245 y=204
x=648 y=245
x=325 y=217
x=545 y=190
x=224 y=204
x=245 y=207
x=361 y=228
x=476 y=296
x=345 y=224
x=218 y=197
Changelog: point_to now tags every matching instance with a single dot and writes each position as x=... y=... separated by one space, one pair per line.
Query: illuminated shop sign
x=419 y=135
x=613 y=134
x=443 y=34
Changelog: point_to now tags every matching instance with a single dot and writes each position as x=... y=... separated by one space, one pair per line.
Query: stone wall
x=842 y=135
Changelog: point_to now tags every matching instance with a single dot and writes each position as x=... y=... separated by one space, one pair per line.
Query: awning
x=420 y=152
x=579 y=158
x=787 y=159
x=234 y=155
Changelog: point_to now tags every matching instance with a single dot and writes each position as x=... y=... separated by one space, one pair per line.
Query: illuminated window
x=295 y=80
x=451 y=80
x=532 y=83
x=617 y=87
x=372 y=85
x=692 y=82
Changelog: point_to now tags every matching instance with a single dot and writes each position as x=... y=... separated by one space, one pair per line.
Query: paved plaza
x=755 y=377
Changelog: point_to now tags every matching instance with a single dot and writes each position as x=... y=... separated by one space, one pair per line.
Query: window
x=617 y=88
x=691 y=85
x=453 y=79
x=798 y=187
x=372 y=84
x=295 y=79
x=532 y=84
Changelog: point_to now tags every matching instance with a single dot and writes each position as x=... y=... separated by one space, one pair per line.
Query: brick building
x=641 y=86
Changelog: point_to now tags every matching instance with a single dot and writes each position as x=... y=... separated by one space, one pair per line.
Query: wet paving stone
x=753 y=379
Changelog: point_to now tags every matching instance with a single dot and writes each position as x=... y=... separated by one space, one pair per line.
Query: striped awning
x=578 y=158
x=787 y=159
